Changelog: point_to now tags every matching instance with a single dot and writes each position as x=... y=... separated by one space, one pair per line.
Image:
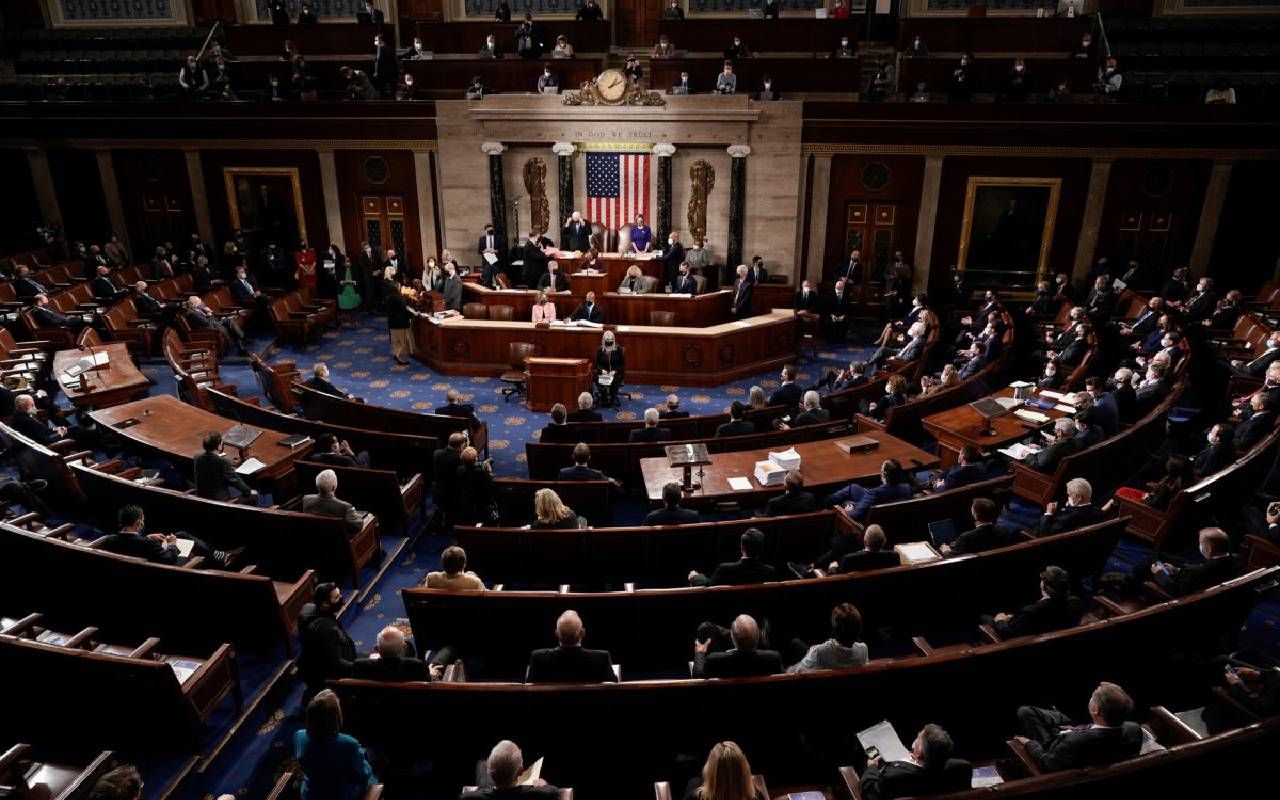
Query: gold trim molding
x=1054 y=185
x=254 y=144
x=844 y=148
x=231 y=174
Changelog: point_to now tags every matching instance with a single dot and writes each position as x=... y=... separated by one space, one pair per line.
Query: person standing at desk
x=543 y=309
x=399 y=316
x=672 y=258
x=611 y=363
x=452 y=289
x=742 y=288
x=684 y=282
x=576 y=234
x=641 y=235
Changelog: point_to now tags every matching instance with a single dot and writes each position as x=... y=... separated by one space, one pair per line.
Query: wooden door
x=382 y=224
x=870 y=227
x=635 y=23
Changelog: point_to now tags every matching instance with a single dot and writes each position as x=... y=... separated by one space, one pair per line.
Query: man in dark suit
x=370 y=15
x=498 y=778
x=337 y=452
x=580 y=471
x=851 y=377
x=737 y=425
x=319 y=381
x=747 y=569
x=742 y=288
x=585 y=413
x=794 y=501
x=200 y=318
x=557 y=431
x=673 y=263
x=1105 y=410
x=684 y=282
x=1220 y=452
x=969 y=469
x=103 y=288
x=570 y=662
x=244 y=293
x=1257 y=367
x=1200 y=306
x=1064 y=444
x=386 y=69
x=1102 y=299
x=1056 y=609
x=454 y=407
x=1053 y=743
x=25 y=286
x=216 y=475
x=851 y=270
x=930 y=771
x=836 y=311
x=871 y=556
x=1179 y=578
x=806 y=299
x=589 y=310
x=789 y=393
x=576 y=234
x=1261 y=422
x=145 y=304
x=743 y=660
x=46 y=317
x=327 y=651
x=553 y=280
x=650 y=432
x=671 y=513
x=369 y=265
x=812 y=413
x=391 y=665
x=1079 y=512
x=158 y=548
x=490 y=242
x=671 y=410
x=444 y=467
x=857 y=499
x=985 y=535
x=1124 y=394
x=25 y=422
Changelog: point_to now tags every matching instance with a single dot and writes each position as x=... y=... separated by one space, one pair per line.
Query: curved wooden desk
x=691 y=311
x=109 y=384
x=655 y=354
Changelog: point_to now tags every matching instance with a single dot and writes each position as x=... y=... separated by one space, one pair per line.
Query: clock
x=612 y=84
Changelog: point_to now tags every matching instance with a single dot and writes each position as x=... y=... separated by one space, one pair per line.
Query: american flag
x=617 y=187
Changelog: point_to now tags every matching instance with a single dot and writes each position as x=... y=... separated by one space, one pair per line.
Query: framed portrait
x=266 y=203
x=1007 y=230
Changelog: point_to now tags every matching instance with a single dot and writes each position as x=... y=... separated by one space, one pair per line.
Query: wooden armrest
x=922 y=645
x=60 y=532
x=78 y=641
x=23 y=624
x=83 y=455
x=195 y=562
x=989 y=633
x=62 y=444
x=1169 y=730
x=1020 y=753
x=1110 y=606
x=146 y=648
x=852 y=782
x=23 y=519
x=1156 y=591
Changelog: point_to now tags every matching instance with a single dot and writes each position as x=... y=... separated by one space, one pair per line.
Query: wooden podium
x=555 y=380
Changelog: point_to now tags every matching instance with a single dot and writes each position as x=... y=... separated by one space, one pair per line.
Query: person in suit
x=1257 y=367
x=650 y=432
x=327 y=651
x=454 y=407
x=611 y=364
x=969 y=469
x=145 y=304
x=895 y=394
x=806 y=300
x=742 y=288
x=319 y=381
x=743 y=660
x=553 y=280
x=490 y=243
x=985 y=535
x=671 y=513
x=812 y=413
x=1145 y=322
x=25 y=286
x=795 y=500
x=1201 y=305
x=928 y=772
x=399 y=316
x=498 y=777
x=200 y=318
x=789 y=393
x=570 y=662
x=215 y=473
x=683 y=282
x=1064 y=444
x=917 y=336
x=1220 y=452
x=476 y=495
x=337 y=452
x=580 y=471
x=1053 y=743
x=894 y=485
x=1184 y=577
x=244 y=292
x=1079 y=511
x=746 y=570
x=851 y=270
x=671 y=409
x=1126 y=398
x=131 y=539
x=390 y=663
x=585 y=412
x=1260 y=423
x=737 y=424
x=371 y=15
x=634 y=282
x=333 y=763
x=673 y=263
x=757 y=272
x=490 y=48
x=576 y=234
x=726 y=773
x=556 y=431
x=872 y=555
x=46 y=317
x=1056 y=609
x=385 y=69
x=850 y=377
x=674 y=11
x=369 y=265
x=1104 y=408
x=588 y=310
x=326 y=502
x=103 y=288
x=452 y=289
x=550 y=513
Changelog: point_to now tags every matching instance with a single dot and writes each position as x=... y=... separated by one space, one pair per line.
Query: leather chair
x=501 y=313
x=662 y=318
x=514 y=377
x=475 y=311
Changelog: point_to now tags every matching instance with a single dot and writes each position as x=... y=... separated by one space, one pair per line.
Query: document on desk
x=249 y=466
x=884 y=738
x=1034 y=417
x=739 y=483
x=1017 y=450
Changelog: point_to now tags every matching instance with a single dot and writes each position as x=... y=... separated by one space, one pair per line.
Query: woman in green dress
x=348 y=291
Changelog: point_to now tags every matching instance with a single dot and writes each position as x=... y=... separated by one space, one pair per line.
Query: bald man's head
x=745 y=633
x=390 y=642
x=569 y=629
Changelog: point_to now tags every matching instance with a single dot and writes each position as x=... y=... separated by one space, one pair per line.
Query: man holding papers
x=924 y=771
x=501 y=777
x=1064 y=444
x=159 y=548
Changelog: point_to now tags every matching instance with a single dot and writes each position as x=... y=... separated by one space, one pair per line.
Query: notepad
x=916 y=552
x=739 y=483
x=1064 y=408
x=249 y=466
x=531 y=774
x=1052 y=395
x=885 y=739
x=1031 y=416
x=1016 y=451
x=185 y=546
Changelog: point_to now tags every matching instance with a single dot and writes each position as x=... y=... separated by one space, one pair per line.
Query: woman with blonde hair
x=543 y=309
x=550 y=513
x=725 y=776
x=634 y=282
x=950 y=377
x=756 y=399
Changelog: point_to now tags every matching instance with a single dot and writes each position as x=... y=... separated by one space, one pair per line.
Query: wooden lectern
x=555 y=380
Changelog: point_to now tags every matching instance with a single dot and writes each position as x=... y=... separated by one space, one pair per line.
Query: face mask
x=844 y=42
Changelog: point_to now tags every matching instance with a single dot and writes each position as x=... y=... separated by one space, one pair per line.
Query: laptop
x=551 y=90
x=942 y=532
x=680 y=89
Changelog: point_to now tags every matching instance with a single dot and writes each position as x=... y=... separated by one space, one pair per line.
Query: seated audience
x=569 y=661
x=812 y=413
x=585 y=412
x=25 y=422
x=390 y=663
x=910 y=350
x=788 y=393
x=588 y=310
x=672 y=409
x=926 y=773
x=319 y=381
x=498 y=777
x=1219 y=454
x=552 y=514
x=329 y=449
x=1261 y=421
x=895 y=394
x=326 y=503
x=201 y=318
x=557 y=431
x=131 y=539
x=871 y=556
x=580 y=471
x=794 y=500
x=1054 y=743
x=726 y=775
x=215 y=473
x=45 y=317
x=1056 y=609
x=650 y=432
x=1045 y=459
x=1180 y=577
x=453 y=573
x=743 y=660
x=985 y=535
x=477 y=499
x=843 y=650
x=1177 y=476
x=746 y=570
x=671 y=513
x=895 y=484
x=969 y=469
x=334 y=766
x=737 y=425
x=1079 y=511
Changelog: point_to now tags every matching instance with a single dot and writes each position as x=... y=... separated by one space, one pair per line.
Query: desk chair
x=514 y=377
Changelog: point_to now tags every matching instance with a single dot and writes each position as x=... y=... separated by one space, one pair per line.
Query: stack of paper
x=1017 y=451
x=1008 y=402
x=916 y=552
x=885 y=739
x=1021 y=385
x=739 y=483
x=787 y=459
x=984 y=777
x=1031 y=416
x=249 y=466
x=769 y=473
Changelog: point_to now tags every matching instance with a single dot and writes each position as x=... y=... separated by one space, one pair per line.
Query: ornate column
x=664 y=151
x=1215 y=197
x=332 y=202
x=497 y=191
x=819 y=201
x=737 y=203
x=42 y=180
x=111 y=194
x=1091 y=220
x=931 y=189
x=564 y=164
x=426 y=203
x=199 y=197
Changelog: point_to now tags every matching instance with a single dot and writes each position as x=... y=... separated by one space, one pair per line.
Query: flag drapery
x=617 y=187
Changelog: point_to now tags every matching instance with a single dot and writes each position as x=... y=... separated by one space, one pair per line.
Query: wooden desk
x=614 y=266
x=824 y=467
x=175 y=430
x=789 y=74
x=109 y=384
x=655 y=354
x=961 y=425
x=697 y=311
x=993 y=34
x=328 y=38
x=788 y=34
x=467 y=36
x=556 y=380
x=991 y=75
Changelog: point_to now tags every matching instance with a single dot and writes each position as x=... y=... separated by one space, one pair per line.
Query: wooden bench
x=24 y=773
x=340 y=411
x=905 y=520
x=904 y=421
x=589 y=499
x=378 y=491
x=694 y=426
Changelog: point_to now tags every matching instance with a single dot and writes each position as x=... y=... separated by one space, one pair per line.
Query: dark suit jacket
x=103 y=288
x=902 y=778
x=816 y=416
x=1046 y=460
x=838 y=305
x=963 y=475
x=27 y=288
x=1044 y=615
x=672 y=516
x=1126 y=403
x=860 y=560
x=739 y=427
x=1200 y=575
x=1106 y=412
x=323 y=386
x=738 y=573
x=794 y=502
x=146 y=304
x=673 y=415
x=615 y=361
x=584 y=415
x=561 y=282
x=649 y=435
x=1252 y=430
x=215 y=476
x=1201 y=306
x=812 y=303
x=1214 y=458
x=1073 y=354
x=559 y=433
x=596 y=314
x=788 y=394
x=327 y=650
x=983 y=537
x=1258 y=366
x=390 y=670
x=736 y=664
x=742 y=296
x=1089 y=747
x=138 y=546
x=463 y=410
x=684 y=284
x=576 y=237
x=581 y=473
x=1069 y=518
x=671 y=259
x=570 y=665
x=33 y=428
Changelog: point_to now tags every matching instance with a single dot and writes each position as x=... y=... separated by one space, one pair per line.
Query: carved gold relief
x=535 y=182
x=702 y=179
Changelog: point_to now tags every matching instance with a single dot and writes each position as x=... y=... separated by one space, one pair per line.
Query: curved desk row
x=655 y=354
x=691 y=311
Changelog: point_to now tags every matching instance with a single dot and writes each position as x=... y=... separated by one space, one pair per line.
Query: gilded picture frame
x=1008 y=227
x=243 y=185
